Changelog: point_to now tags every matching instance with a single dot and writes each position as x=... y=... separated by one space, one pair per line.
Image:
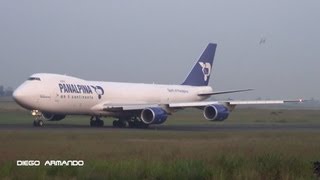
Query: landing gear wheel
x=92 y=123
x=135 y=123
x=131 y=124
x=40 y=123
x=123 y=124
x=120 y=124
x=97 y=122
x=144 y=126
x=100 y=123
x=115 y=123
x=37 y=123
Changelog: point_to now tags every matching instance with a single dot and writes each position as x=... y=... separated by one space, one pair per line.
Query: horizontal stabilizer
x=223 y=92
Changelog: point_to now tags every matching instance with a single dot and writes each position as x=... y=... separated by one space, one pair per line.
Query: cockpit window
x=34 y=79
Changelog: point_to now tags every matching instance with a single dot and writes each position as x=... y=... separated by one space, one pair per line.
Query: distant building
x=6 y=91
x=1 y=91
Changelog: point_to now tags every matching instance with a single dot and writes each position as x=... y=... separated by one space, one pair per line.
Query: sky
x=148 y=41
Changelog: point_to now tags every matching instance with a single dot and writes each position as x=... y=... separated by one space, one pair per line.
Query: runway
x=192 y=128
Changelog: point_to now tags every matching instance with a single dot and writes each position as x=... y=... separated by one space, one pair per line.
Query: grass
x=151 y=154
x=163 y=155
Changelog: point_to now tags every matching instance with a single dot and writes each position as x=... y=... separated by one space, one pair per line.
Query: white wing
x=106 y=106
x=230 y=103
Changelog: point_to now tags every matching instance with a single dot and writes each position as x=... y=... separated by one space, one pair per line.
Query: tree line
x=6 y=91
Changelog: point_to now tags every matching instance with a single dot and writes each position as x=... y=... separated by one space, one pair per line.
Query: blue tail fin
x=200 y=73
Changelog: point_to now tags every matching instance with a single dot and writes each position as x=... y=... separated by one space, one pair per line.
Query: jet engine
x=53 y=117
x=216 y=112
x=154 y=116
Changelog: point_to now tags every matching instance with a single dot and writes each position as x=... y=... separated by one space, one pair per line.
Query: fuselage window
x=34 y=79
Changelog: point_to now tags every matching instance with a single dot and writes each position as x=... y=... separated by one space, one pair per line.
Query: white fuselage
x=62 y=94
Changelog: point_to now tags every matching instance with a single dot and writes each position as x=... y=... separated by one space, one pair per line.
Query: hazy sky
x=158 y=41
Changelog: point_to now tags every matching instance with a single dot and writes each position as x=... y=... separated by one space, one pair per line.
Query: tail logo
x=206 y=70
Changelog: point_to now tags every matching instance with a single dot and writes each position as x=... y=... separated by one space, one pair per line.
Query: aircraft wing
x=141 y=105
x=229 y=103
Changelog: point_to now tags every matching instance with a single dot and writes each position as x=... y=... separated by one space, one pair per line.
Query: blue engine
x=216 y=112
x=53 y=117
x=154 y=116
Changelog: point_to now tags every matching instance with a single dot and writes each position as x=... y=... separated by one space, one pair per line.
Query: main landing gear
x=37 y=122
x=129 y=122
x=97 y=122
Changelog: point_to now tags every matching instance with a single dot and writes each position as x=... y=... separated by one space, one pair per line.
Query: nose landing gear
x=38 y=123
x=38 y=115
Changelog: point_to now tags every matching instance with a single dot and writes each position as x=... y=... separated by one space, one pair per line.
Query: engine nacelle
x=216 y=112
x=154 y=116
x=53 y=117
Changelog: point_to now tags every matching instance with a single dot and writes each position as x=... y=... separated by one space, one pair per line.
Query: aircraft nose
x=21 y=97
x=17 y=95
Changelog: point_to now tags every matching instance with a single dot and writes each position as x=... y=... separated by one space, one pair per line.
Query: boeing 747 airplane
x=52 y=97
